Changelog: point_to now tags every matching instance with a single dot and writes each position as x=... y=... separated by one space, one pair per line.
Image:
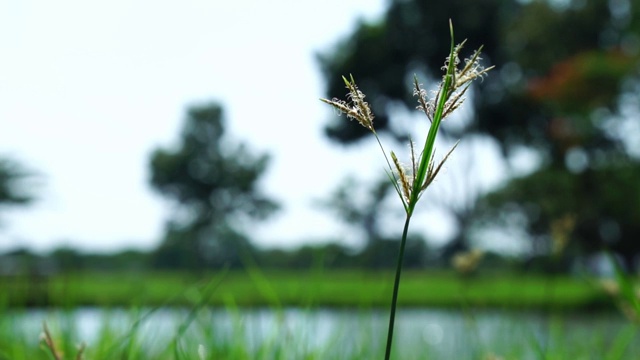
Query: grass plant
x=411 y=181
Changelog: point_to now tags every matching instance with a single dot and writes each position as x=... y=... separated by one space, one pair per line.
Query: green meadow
x=327 y=288
x=260 y=314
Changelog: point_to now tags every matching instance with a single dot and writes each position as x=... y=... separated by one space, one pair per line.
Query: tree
x=214 y=185
x=11 y=176
x=13 y=191
x=603 y=200
x=566 y=76
x=586 y=95
x=359 y=205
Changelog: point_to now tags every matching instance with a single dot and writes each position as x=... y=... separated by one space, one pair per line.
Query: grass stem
x=396 y=286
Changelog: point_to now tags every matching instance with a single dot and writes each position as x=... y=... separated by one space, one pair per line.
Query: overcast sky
x=89 y=89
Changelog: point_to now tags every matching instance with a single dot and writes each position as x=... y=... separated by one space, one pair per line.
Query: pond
x=344 y=333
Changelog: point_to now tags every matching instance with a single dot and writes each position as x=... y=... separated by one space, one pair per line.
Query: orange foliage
x=583 y=81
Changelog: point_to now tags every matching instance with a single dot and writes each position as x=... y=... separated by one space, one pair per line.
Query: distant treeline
x=379 y=255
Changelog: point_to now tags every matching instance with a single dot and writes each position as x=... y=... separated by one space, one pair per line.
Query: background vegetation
x=568 y=99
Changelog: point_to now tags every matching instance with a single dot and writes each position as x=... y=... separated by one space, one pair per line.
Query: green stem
x=396 y=286
x=443 y=95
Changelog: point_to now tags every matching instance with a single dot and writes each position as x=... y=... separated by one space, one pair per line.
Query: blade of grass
x=204 y=298
x=622 y=342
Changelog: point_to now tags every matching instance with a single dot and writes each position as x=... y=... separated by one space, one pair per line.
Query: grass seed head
x=461 y=80
x=356 y=108
x=405 y=180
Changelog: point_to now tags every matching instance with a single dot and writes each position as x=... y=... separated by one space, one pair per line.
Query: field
x=279 y=315
x=327 y=288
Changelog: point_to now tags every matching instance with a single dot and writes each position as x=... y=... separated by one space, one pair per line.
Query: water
x=420 y=333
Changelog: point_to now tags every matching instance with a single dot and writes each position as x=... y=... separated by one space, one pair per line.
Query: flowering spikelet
x=405 y=180
x=472 y=70
x=461 y=81
x=407 y=174
x=357 y=109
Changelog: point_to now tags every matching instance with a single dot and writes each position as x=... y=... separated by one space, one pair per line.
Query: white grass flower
x=357 y=109
x=461 y=80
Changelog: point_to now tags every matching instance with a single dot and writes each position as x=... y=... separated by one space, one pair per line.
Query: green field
x=335 y=288
x=140 y=296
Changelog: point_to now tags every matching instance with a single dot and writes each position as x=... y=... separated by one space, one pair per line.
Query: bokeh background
x=126 y=126
x=157 y=157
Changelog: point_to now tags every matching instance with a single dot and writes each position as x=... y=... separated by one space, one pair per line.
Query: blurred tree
x=329 y=255
x=67 y=259
x=603 y=200
x=359 y=206
x=566 y=79
x=12 y=190
x=20 y=261
x=585 y=88
x=213 y=182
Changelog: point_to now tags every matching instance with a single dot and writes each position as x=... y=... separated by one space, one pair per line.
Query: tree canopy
x=213 y=183
x=12 y=192
x=13 y=187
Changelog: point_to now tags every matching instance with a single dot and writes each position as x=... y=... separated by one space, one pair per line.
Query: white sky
x=89 y=89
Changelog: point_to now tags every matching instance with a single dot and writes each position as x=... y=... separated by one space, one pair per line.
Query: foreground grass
x=274 y=333
x=194 y=330
x=335 y=288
